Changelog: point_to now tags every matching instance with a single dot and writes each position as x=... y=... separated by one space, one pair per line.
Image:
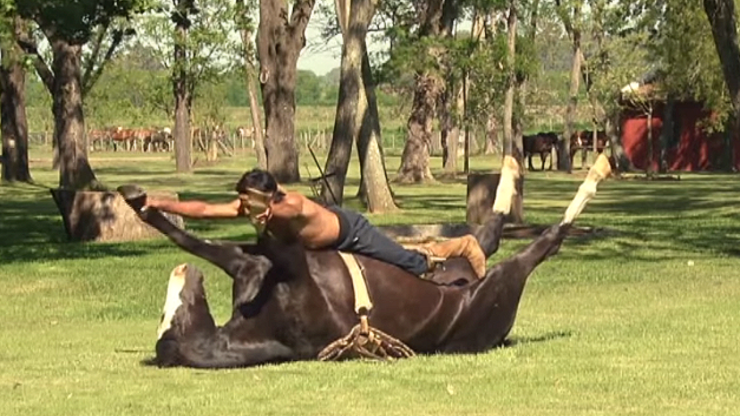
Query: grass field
x=641 y=320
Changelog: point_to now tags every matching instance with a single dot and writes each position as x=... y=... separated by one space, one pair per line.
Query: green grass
x=615 y=324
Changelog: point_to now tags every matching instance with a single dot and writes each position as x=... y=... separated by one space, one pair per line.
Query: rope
x=364 y=341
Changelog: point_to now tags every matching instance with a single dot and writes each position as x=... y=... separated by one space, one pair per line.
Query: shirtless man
x=290 y=216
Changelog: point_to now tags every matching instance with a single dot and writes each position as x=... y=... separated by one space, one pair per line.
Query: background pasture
x=641 y=320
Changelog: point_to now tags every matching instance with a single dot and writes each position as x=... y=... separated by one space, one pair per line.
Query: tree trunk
x=280 y=40
x=13 y=114
x=721 y=14
x=510 y=148
x=355 y=118
x=415 y=157
x=570 y=112
x=69 y=122
x=491 y=145
x=650 y=145
x=614 y=132
x=524 y=84
x=345 y=131
x=449 y=127
x=434 y=17
x=249 y=72
x=183 y=141
x=666 y=132
x=376 y=192
x=575 y=78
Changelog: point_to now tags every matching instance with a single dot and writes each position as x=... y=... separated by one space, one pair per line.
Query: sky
x=319 y=56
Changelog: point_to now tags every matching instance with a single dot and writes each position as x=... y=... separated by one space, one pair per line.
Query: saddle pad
x=362 y=296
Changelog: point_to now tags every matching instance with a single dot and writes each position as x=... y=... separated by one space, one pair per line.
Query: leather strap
x=363 y=304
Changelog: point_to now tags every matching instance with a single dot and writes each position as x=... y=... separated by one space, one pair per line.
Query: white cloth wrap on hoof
x=599 y=171
x=506 y=189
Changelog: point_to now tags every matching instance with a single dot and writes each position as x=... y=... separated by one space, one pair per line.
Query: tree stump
x=482 y=193
x=104 y=216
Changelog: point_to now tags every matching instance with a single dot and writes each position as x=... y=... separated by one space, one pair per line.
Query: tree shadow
x=33 y=230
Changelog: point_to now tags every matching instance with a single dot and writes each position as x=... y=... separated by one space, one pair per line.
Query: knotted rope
x=364 y=341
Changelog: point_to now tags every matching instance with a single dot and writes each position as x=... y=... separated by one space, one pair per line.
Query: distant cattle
x=542 y=144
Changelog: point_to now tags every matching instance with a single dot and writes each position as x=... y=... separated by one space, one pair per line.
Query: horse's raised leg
x=494 y=301
x=230 y=258
x=247 y=270
x=188 y=335
x=549 y=242
x=489 y=234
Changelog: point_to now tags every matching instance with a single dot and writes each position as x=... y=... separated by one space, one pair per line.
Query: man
x=290 y=217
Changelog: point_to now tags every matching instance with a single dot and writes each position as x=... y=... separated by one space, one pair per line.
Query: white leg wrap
x=506 y=189
x=599 y=171
x=173 y=301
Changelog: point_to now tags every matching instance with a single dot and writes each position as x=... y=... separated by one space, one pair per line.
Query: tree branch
x=88 y=79
x=299 y=19
x=95 y=53
x=29 y=46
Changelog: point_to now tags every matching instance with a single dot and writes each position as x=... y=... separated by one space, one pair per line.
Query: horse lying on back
x=290 y=303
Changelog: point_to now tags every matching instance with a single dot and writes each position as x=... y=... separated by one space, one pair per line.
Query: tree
x=280 y=39
x=424 y=57
x=620 y=55
x=245 y=23
x=357 y=114
x=721 y=15
x=67 y=27
x=182 y=83
x=196 y=51
x=510 y=147
x=570 y=13
x=12 y=100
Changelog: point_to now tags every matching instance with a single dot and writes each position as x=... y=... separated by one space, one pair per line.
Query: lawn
x=640 y=320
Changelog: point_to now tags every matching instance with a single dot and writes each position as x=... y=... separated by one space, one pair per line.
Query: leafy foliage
x=76 y=21
x=209 y=46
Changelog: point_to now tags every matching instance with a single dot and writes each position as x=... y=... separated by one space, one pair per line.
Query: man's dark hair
x=260 y=180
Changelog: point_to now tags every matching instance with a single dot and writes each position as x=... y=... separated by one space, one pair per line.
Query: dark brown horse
x=290 y=303
x=541 y=144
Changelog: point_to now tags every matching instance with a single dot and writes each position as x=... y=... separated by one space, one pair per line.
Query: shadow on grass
x=507 y=343
x=32 y=230
x=550 y=336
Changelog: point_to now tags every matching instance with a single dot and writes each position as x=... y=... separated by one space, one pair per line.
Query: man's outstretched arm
x=197 y=209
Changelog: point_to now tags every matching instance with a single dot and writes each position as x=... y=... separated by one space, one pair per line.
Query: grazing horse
x=584 y=141
x=542 y=144
x=290 y=303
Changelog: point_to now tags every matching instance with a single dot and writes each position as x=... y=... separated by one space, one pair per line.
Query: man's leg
x=363 y=238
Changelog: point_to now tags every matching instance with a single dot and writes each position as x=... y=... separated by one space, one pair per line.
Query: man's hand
x=264 y=217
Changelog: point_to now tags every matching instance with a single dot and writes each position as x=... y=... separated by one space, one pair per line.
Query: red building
x=690 y=147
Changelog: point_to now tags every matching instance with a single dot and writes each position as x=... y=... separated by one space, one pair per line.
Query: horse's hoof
x=134 y=196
